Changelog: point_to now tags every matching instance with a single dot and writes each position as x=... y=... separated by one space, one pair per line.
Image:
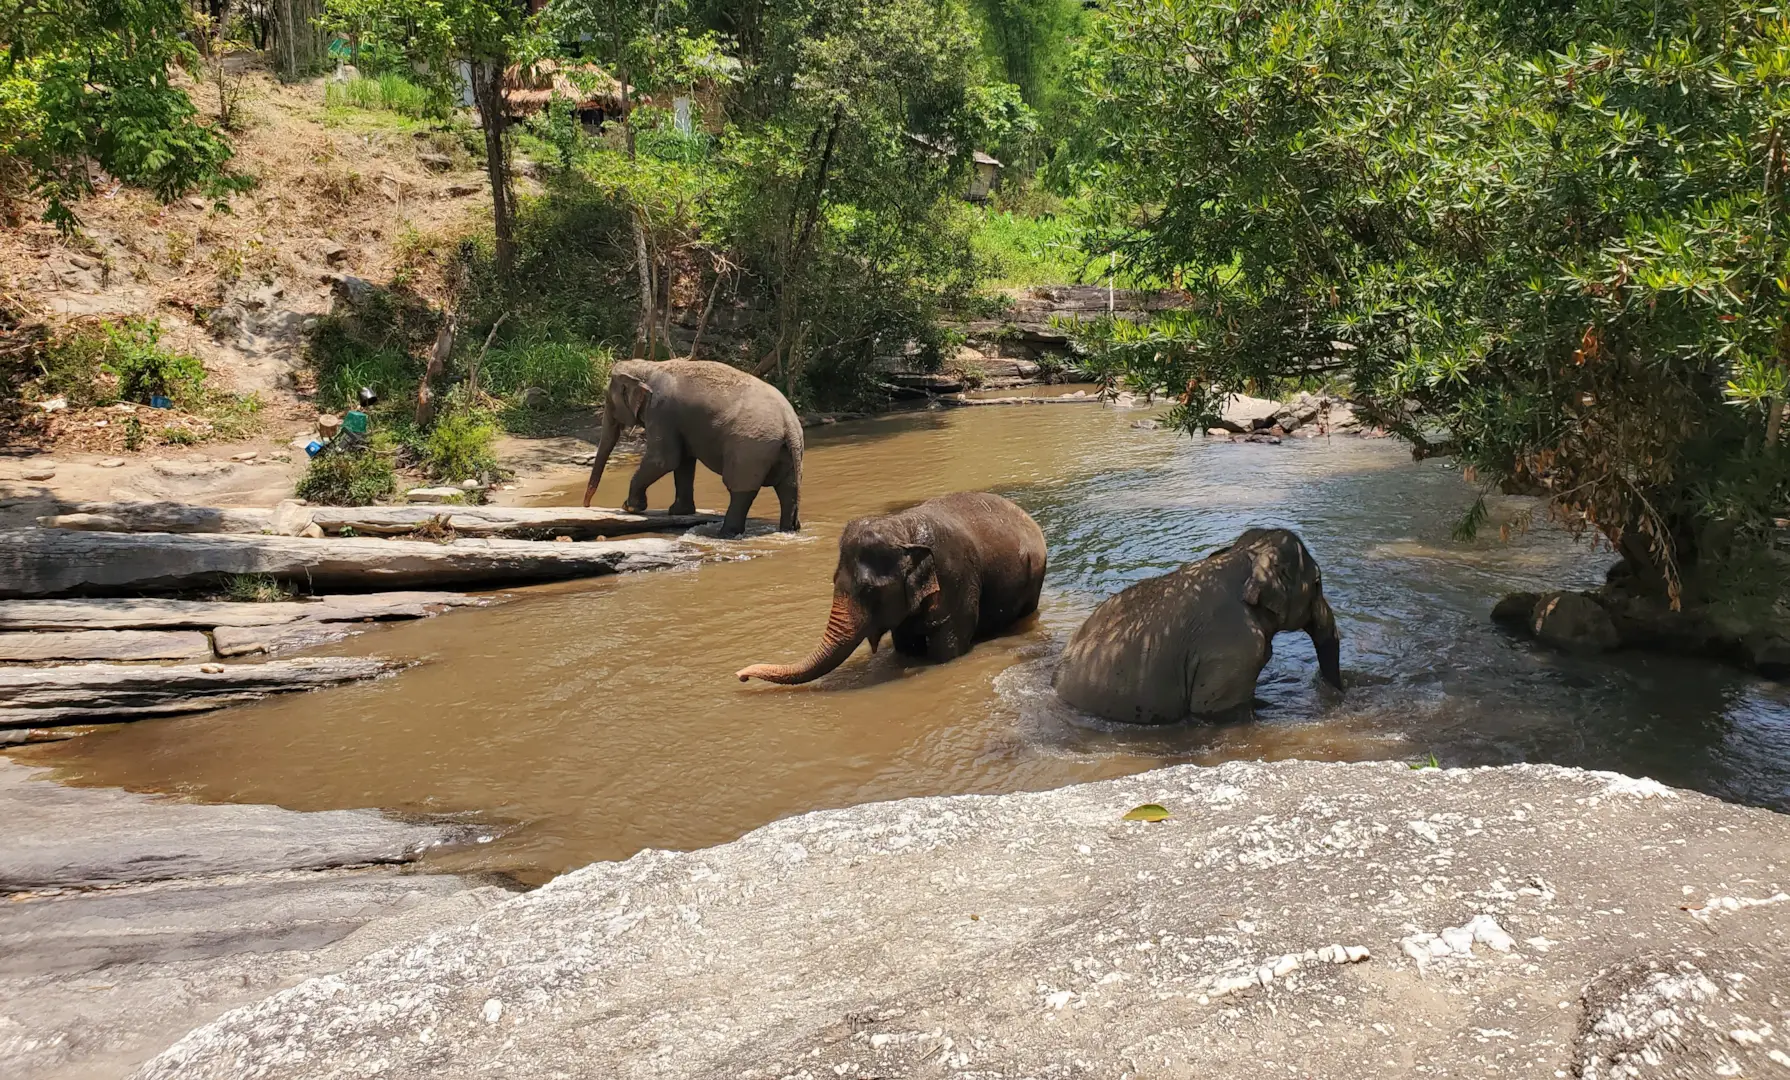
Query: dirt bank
x=1333 y=920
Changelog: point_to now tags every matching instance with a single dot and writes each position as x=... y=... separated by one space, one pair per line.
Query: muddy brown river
x=595 y=719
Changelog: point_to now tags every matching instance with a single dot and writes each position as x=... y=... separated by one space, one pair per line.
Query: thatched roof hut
x=529 y=89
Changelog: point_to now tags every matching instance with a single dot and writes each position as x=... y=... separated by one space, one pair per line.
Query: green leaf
x=1148 y=812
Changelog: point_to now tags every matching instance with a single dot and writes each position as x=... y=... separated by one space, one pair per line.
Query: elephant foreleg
x=652 y=467
x=684 y=476
x=738 y=506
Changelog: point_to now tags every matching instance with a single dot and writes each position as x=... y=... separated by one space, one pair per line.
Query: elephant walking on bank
x=934 y=578
x=699 y=411
x=1193 y=642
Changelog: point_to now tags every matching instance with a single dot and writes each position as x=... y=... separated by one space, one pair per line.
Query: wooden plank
x=33 y=696
x=106 y=645
x=42 y=563
x=521 y=522
x=155 y=614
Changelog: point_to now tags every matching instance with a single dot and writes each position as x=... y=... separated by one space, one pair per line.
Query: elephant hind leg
x=684 y=476
x=788 y=499
x=738 y=506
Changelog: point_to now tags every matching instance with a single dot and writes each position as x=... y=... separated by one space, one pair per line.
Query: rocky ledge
x=1289 y=918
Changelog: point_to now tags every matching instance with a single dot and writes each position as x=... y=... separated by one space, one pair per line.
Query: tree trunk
x=644 y=335
x=1774 y=419
x=627 y=114
x=299 y=45
x=487 y=95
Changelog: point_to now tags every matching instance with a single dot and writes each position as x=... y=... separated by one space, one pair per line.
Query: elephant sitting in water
x=934 y=578
x=1193 y=642
x=696 y=410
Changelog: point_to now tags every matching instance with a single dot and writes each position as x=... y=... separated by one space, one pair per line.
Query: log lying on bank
x=154 y=614
x=161 y=518
x=105 y=645
x=31 y=697
x=291 y=518
x=959 y=401
x=57 y=562
x=517 y=522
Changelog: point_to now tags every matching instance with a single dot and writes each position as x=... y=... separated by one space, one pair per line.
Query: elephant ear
x=632 y=394
x=922 y=576
x=1267 y=587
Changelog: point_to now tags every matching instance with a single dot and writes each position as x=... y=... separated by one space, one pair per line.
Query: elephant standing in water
x=1193 y=642
x=934 y=578
x=696 y=410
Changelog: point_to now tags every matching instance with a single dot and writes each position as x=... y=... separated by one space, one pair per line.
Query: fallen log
x=56 y=562
x=290 y=518
x=958 y=401
x=106 y=645
x=152 y=614
x=517 y=522
x=159 y=517
x=31 y=697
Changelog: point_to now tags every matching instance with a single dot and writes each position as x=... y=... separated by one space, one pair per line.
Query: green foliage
x=562 y=372
x=87 y=80
x=389 y=91
x=76 y=364
x=1023 y=250
x=460 y=446
x=349 y=479
x=255 y=589
x=1559 y=245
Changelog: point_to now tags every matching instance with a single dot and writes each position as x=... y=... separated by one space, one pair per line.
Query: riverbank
x=1334 y=920
x=125 y=920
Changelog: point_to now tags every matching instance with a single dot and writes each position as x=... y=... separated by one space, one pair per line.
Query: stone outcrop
x=1611 y=618
x=60 y=562
x=1572 y=622
x=77 y=693
x=1286 y=919
x=126 y=920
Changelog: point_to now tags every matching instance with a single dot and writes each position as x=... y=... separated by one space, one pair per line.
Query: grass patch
x=101 y=362
x=255 y=589
x=345 y=479
x=1024 y=251
x=460 y=446
x=390 y=92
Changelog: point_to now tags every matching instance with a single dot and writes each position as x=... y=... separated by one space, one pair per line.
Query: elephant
x=697 y=410
x=935 y=578
x=1193 y=642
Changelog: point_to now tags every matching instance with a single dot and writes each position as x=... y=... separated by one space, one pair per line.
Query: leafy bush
x=73 y=365
x=566 y=374
x=133 y=355
x=460 y=446
x=389 y=91
x=349 y=479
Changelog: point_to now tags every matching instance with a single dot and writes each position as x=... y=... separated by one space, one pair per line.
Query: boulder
x=1288 y=918
x=435 y=495
x=1573 y=622
x=1516 y=611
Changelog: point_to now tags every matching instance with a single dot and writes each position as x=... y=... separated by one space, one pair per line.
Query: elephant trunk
x=846 y=626
x=1322 y=629
x=612 y=433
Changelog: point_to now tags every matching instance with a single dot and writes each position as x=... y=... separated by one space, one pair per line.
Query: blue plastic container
x=156 y=401
x=313 y=448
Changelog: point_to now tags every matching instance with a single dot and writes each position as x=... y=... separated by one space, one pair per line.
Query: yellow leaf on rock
x=1147 y=812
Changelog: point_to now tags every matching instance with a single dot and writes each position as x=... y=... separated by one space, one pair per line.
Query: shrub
x=567 y=374
x=460 y=446
x=132 y=353
x=348 y=479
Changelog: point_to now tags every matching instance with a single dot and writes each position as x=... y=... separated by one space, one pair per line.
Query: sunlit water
x=596 y=718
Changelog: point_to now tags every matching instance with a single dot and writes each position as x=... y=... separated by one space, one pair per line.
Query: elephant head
x=1285 y=591
x=886 y=575
x=624 y=407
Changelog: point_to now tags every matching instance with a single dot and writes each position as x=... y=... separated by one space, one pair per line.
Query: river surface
x=593 y=719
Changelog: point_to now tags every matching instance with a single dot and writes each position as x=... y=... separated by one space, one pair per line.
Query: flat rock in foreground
x=73 y=693
x=159 y=614
x=1289 y=918
x=61 y=562
x=58 y=837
